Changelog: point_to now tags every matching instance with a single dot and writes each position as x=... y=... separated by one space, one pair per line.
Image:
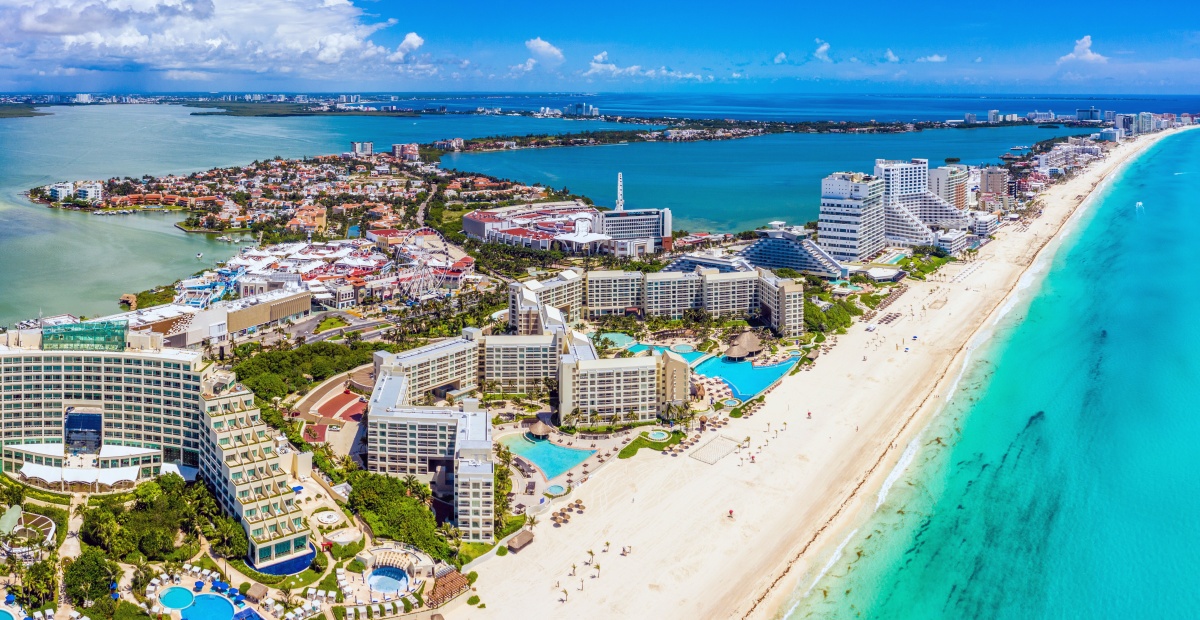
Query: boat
x=1019 y=148
x=199 y=255
x=225 y=238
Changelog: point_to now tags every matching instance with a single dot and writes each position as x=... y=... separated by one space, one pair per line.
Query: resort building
x=780 y=246
x=603 y=391
x=671 y=293
x=781 y=303
x=950 y=182
x=446 y=369
x=613 y=292
x=952 y=241
x=851 y=223
x=994 y=180
x=517 y=364
x=910 y=209
x=95 y=407
x=730 y=294
x=710 y=259
x=564 y=291
x=651 y=225
x=448 y=448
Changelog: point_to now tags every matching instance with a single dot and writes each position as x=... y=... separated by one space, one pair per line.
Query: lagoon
x=61 y=261
x=734 y=185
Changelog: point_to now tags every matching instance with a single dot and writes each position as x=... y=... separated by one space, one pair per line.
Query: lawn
x=643 y=442
x=330 y=322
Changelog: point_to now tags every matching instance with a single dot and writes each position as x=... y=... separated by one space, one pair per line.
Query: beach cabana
x=256 y=592
x=540 y=429
x=520 y=541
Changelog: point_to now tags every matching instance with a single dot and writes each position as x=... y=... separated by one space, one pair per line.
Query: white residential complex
x=94 y=407
x=781 y=246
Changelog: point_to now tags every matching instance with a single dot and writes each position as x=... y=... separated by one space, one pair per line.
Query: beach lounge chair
x=377 y=611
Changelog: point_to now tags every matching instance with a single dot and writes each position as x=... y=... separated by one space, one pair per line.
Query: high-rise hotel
x=94 y=407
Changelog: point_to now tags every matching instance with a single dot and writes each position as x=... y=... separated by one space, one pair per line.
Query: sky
x=614 y=46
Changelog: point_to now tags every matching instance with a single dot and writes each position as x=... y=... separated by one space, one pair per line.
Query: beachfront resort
x=143 y=475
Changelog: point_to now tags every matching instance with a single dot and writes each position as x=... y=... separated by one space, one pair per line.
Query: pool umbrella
x=115 y=596
x=112 y=586
x=8 y=600
x=239 y=598
x=199 y=585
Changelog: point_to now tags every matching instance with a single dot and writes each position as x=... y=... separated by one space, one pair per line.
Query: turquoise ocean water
x=1060 y=480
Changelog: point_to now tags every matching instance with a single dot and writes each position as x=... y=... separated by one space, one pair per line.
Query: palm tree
x=597 y=567
x=531 y=521
x=564 y=596
x=572 y=570
x=591 y=556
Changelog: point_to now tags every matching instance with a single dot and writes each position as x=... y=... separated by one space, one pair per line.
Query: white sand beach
x=794 y=504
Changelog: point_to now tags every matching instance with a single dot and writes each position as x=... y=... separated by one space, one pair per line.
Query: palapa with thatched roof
x=745 y=345
x=520 y=541
x=540 y=429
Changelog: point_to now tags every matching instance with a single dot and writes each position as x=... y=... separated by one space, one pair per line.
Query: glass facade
x=91 y=336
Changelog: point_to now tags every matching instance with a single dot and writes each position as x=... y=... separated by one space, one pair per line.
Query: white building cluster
x=575 y=227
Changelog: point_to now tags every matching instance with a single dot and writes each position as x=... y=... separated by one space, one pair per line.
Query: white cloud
x=601 y=66
x=932 y=58
x=780 y=58
x=544 y=51
x=1083 y=52
x=189 y=38
x=188 y=76
x=411 y=42
x=890 y=56
x=979 y=59
x=822 y=53
x=526 y=66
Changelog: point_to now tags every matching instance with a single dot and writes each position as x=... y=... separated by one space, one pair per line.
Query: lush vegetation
x=35 y=584
x=163 y=524
x=279 y=373
x=396 y=508
x=86 y=578
x=925 y=260
x=330 y=322
x=839 y=316
x=644 y=442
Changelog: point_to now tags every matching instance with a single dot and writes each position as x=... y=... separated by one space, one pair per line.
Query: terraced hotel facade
x=92 y=407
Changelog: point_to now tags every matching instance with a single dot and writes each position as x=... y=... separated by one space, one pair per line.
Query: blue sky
x=380 y=45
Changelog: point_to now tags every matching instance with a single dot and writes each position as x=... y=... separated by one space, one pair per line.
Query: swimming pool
x=554 y=460
x=731 y=402
x=556 y=489
x=689 y=356
x=846 y=285
x=4 y=615
x=658 y=435
x=744 y=378
x=209 y=607
x=895 y=259
x=176 y=597
x=388 y=579
x=618 y=339
x=293 y=566
x=683 y=348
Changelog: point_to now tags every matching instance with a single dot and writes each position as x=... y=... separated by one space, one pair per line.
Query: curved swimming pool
x=556 y=489
x=658 y=435
x=176 y=597
x=4 y=615
x=209 y=607
x=554 y=460
x=745 y=379
x=388 y=580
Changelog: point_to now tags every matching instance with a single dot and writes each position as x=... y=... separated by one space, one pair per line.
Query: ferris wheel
x=422 y=260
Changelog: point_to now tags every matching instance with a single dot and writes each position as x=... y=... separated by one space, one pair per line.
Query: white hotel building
x=95 y=407
x=851 y=224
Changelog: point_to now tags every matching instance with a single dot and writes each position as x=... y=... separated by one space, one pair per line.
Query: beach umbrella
x=115 y=596
x=578 y=502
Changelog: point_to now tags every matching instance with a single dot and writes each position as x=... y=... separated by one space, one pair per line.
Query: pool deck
x=606 y=452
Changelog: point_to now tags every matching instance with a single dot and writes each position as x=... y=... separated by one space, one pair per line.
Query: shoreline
x=842 y=525
x=812 y=477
